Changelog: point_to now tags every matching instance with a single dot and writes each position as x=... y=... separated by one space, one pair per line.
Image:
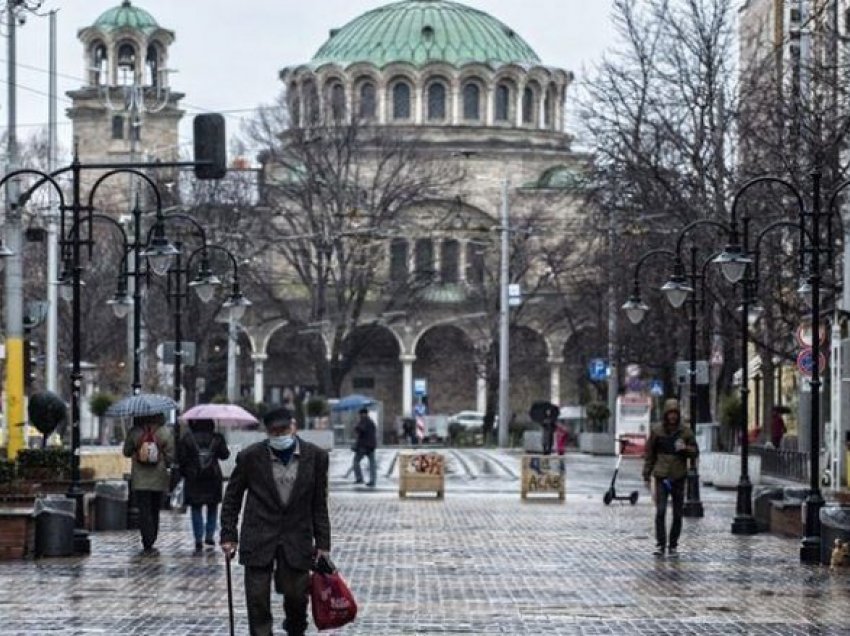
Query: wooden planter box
x=421 y=472
x=543 y=475
x=17 y=532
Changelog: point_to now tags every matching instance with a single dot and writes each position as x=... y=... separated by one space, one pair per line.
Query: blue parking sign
x=597 y=369
x=656 y=388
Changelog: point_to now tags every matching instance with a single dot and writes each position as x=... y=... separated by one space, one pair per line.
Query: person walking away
x=285 y=521
x=548 y=426
x=668 y=449
x=365 y=443
x=151 y=446
x=199 y=452
x=777 y=427
x=561 y=436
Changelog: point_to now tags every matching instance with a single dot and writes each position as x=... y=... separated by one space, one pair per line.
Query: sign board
x=167 y=353
x=420 y=386
x=656 y=388
x=805 y=362
x=514 y=295
x=597 y=369
x=804 y=335
x=683 y=372
x=543 y=474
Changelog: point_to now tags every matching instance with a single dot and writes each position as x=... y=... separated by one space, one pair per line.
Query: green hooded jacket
x=661 y=459
x=147 y=476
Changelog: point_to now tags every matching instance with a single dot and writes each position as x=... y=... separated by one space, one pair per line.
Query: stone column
x=555 y=380
x=259 y=377
x=407 y=361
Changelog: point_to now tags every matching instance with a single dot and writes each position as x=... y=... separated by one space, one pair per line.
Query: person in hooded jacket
x=671 y=444
x=199 y=452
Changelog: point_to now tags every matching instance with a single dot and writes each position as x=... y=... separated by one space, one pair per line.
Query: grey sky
x=228 y=53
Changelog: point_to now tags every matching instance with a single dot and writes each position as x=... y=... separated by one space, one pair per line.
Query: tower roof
x=126 y=16
x=423 y=31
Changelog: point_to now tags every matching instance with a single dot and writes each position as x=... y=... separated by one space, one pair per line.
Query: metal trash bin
x=54 y=526
x=110 y=505
x=834 y=524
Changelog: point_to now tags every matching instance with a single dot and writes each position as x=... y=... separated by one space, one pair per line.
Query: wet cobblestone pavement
x=471 y=564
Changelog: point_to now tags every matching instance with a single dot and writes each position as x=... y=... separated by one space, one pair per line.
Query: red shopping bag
x=332 y=602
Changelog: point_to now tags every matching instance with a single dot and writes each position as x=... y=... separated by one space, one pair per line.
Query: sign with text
x=542 y=475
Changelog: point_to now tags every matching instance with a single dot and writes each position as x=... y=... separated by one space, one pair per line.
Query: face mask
x=282 y=442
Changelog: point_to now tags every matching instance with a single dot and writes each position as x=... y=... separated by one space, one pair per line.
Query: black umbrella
x=543 y=410
x=140 y=405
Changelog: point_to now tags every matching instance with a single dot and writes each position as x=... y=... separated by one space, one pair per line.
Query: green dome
x=126 y=17
x=423 y=31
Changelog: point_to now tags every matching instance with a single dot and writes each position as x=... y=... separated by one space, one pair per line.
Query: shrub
x=317 y=406
x=597 y=414
x=100 y=402
x=7 y=471
x=51 y=463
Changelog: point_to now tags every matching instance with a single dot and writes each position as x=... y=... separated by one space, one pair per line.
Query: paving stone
x=479 y=562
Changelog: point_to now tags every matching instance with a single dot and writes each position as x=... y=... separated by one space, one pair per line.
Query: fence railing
x=783 y=464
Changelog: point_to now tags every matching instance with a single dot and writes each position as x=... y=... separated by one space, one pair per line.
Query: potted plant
x=316 y=409
x=594 y=439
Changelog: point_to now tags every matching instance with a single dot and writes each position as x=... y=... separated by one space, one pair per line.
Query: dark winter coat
x=201 y=487
x=367 y=435
x=662 y=460
x=298 y=527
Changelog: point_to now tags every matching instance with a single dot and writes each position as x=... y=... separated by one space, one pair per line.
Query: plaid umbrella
x=142 y=404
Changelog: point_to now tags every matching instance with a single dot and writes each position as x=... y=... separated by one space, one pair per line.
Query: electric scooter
x=611 y=494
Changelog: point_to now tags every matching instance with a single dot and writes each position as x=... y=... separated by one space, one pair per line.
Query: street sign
x=166 y=354
x=683 y=372
x=805 y=362
x=804 y=335
x=656 y=388
x=514 y=295
x=597 y=369
x=420 y=386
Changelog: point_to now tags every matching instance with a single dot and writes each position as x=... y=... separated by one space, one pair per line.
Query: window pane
x=117 y=127
x=503 y=98
x=311 y=103
x=436 y=102
x=547 y=110
x=338 y=102
x=471 y=101
x=475 y=263
x=424 y=259
x=401 y=101
x=450 y=261
x=398 y=261
x=527 y=106
x=368 y=105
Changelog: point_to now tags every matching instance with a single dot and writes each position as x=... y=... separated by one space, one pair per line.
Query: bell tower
x=126 y=111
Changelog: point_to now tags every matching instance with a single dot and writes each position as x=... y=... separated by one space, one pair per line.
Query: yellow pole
x=15 y=418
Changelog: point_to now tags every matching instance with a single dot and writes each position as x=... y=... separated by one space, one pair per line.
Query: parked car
x=470 y=419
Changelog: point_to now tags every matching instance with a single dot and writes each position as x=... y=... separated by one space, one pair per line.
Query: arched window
x=99 y=65
x=547 y=109
x=399 y=261
x=436 y=101
x=503 y=102
x=152 y=66
x=126 y=65
x=471 y=102
x=294 y=105
x=368 y=101
x=310 y=95
x=450 y=261
x=528 y=106
x=424 y=260
x=337 y=100
x=401 y=101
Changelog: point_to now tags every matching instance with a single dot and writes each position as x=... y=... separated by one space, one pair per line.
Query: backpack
x=148 y=452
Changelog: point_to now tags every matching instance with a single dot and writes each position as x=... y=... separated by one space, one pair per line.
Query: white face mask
x=282 y=442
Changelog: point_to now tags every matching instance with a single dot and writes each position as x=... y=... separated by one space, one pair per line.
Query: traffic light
x=30 y=362
x=210 y=150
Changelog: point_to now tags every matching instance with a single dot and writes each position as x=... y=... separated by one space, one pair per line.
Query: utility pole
x=232 y=350
x=14 y=263
x=613 y=367
x=504 y=321
x=52 y=348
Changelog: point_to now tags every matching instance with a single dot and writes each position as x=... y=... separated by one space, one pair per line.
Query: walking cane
x=227 y=558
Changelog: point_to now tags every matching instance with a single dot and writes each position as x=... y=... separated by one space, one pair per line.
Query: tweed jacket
x=298 y=527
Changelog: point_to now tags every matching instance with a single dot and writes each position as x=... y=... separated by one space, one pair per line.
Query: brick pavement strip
x=472 y=564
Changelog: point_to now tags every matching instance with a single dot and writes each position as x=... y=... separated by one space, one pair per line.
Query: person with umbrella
x=365 y=443
x=199 y=452
x=545 y=414
x=151 y=446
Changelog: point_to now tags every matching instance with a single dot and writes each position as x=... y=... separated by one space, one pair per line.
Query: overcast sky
x=228 y=52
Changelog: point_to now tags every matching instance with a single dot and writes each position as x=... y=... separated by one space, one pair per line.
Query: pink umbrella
x=223 y=414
